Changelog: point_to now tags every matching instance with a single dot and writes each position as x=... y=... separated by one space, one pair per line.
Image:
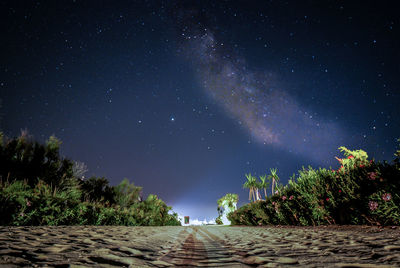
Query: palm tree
x=250 y=184
x=257 y=188
x=274 y=177
x=264 y=184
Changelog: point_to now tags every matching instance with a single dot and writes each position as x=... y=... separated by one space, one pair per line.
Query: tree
x=264 y=184
x=257 y=188
x=218 y=220
x=229 y=199
x=22 y=158
x=274 y=177
x=251 y=184
x=226 y=204
x=97 y=190
x=127 y=194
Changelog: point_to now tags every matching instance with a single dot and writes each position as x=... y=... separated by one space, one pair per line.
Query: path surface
x=206 y=246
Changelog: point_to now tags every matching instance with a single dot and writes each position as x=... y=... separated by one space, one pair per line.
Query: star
x=218 y=83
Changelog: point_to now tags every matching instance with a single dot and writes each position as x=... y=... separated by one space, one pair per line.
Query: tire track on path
x=198 y=247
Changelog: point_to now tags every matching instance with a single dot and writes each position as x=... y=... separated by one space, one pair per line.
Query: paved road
x=206 y=246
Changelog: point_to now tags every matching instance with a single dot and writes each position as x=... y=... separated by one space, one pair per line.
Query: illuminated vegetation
x=38 y=187
x=226 y=204
x=361 y=191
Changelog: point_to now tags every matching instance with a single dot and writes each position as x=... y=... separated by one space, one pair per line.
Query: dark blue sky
x=184 y=99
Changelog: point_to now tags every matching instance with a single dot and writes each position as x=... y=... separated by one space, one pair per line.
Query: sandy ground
x=200 y=246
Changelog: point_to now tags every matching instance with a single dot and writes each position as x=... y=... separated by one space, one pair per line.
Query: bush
x=38 y=187
x=97 y=190
x=360 y=192
x=24 y=159
x=127 y=194
x=42 y=205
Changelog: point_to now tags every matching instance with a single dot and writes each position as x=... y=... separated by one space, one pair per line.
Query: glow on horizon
x=195 y=221
x=195 y=218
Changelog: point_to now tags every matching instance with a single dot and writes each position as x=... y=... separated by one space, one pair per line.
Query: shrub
x=97 y=190
x=154 y=211
x=360 y=192
x=43 y=205
x=126 y=194
x=24 y=159
x=38 y=187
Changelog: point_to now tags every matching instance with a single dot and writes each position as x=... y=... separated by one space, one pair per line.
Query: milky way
x=256 y=101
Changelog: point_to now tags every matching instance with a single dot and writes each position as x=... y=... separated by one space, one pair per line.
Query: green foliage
x=264 y=184
x=38 y=187
x=97 y=190
x=360 y=192
x=255 y=213
x=252 y=185
x=70 y=189
x=21 y=204
x=228 y=202
x=231 y=200
x=53 y=146
x=274 y=178
x=251 y=181
x=127 y=194
x=154 y=212
x=360 y=155
x=24 y=159
x=218 y=220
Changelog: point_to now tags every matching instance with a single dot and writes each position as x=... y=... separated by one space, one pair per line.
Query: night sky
x=185 y=97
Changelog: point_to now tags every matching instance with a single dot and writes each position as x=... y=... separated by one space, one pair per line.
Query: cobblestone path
x=205 y=246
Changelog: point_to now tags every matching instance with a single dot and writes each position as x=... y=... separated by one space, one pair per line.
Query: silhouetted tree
x=22 y=158
x=97 y=190
x=127 y=194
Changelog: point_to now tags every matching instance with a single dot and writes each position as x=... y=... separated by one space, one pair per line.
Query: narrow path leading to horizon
x=199 y=246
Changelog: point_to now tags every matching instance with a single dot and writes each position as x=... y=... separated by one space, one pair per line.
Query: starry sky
x=185 y=97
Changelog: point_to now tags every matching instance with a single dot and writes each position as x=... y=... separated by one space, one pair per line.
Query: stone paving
x=202 y=246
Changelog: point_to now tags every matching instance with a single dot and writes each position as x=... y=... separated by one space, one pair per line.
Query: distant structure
x=186 y=219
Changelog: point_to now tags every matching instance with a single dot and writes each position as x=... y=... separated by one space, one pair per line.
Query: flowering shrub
x=361 y=191
x=373 y=205
x=386 y=197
